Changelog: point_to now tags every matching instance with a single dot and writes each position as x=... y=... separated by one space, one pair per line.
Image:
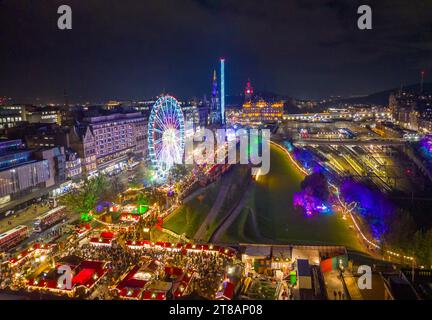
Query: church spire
x=214 y=84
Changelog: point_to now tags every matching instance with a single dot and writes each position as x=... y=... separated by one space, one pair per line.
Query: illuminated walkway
x=226 y=182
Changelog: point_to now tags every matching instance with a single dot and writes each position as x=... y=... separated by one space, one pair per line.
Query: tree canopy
x=85 y=198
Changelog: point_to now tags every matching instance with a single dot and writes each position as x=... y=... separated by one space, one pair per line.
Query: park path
x=256 y=230
x=196 y=193
x=226 y=183
x=222 y=229
x=228 y=221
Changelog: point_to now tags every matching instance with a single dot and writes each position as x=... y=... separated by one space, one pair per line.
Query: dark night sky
x=136 y=49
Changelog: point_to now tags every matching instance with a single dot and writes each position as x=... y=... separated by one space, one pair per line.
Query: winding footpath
x=226 y=223
x=226 y=183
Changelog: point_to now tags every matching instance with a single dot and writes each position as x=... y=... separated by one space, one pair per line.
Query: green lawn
x=276 y=218
x=240 y=176
x=272 y=199
x=240 y=230
x=158 y=235
x=189 y=217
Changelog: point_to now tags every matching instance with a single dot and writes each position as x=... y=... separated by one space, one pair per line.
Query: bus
x=13 y=237
x=131 y=166
x=49 y=219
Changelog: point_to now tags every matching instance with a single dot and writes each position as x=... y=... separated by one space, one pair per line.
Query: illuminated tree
x=373 y=206
x=422 y=247
x=317 y=184
x=85 y=198
x=314 y=194
x=401 y=230
x=178 y=172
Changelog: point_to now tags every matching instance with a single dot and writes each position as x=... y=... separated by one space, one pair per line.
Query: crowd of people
x=209 y=267
x=5 y=275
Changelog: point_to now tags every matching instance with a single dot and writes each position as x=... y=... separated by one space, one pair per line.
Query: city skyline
x=133 y=50
x=221 y=150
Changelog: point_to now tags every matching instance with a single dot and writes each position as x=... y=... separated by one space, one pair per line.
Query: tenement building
x=105 y=143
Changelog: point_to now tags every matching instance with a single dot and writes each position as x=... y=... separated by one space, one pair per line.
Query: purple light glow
x=310 y=204
x=314 y=195
x=372 y=205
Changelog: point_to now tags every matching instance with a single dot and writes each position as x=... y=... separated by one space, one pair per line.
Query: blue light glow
x=222 y=66
x=373 y=206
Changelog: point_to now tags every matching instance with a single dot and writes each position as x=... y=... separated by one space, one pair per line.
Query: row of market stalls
x=85 y=275
x=152 y=280
x=131 y=212
x=289 y=271
x=273 y=269
x=106 y=238
x=185 y=247
x=262 y=258
x=38 y=251
x=137 y=283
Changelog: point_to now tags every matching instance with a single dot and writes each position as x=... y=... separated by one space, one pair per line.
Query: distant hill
x=377 y=98
x=382 y=97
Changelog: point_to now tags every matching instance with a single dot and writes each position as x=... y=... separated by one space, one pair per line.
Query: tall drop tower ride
x=222 y=89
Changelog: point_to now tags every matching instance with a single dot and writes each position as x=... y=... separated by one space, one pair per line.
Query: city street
x=26 y=216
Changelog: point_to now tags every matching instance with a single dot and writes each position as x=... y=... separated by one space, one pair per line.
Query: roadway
x=27 y=215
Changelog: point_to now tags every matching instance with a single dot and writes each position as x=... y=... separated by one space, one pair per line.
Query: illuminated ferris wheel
x=165 y=135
